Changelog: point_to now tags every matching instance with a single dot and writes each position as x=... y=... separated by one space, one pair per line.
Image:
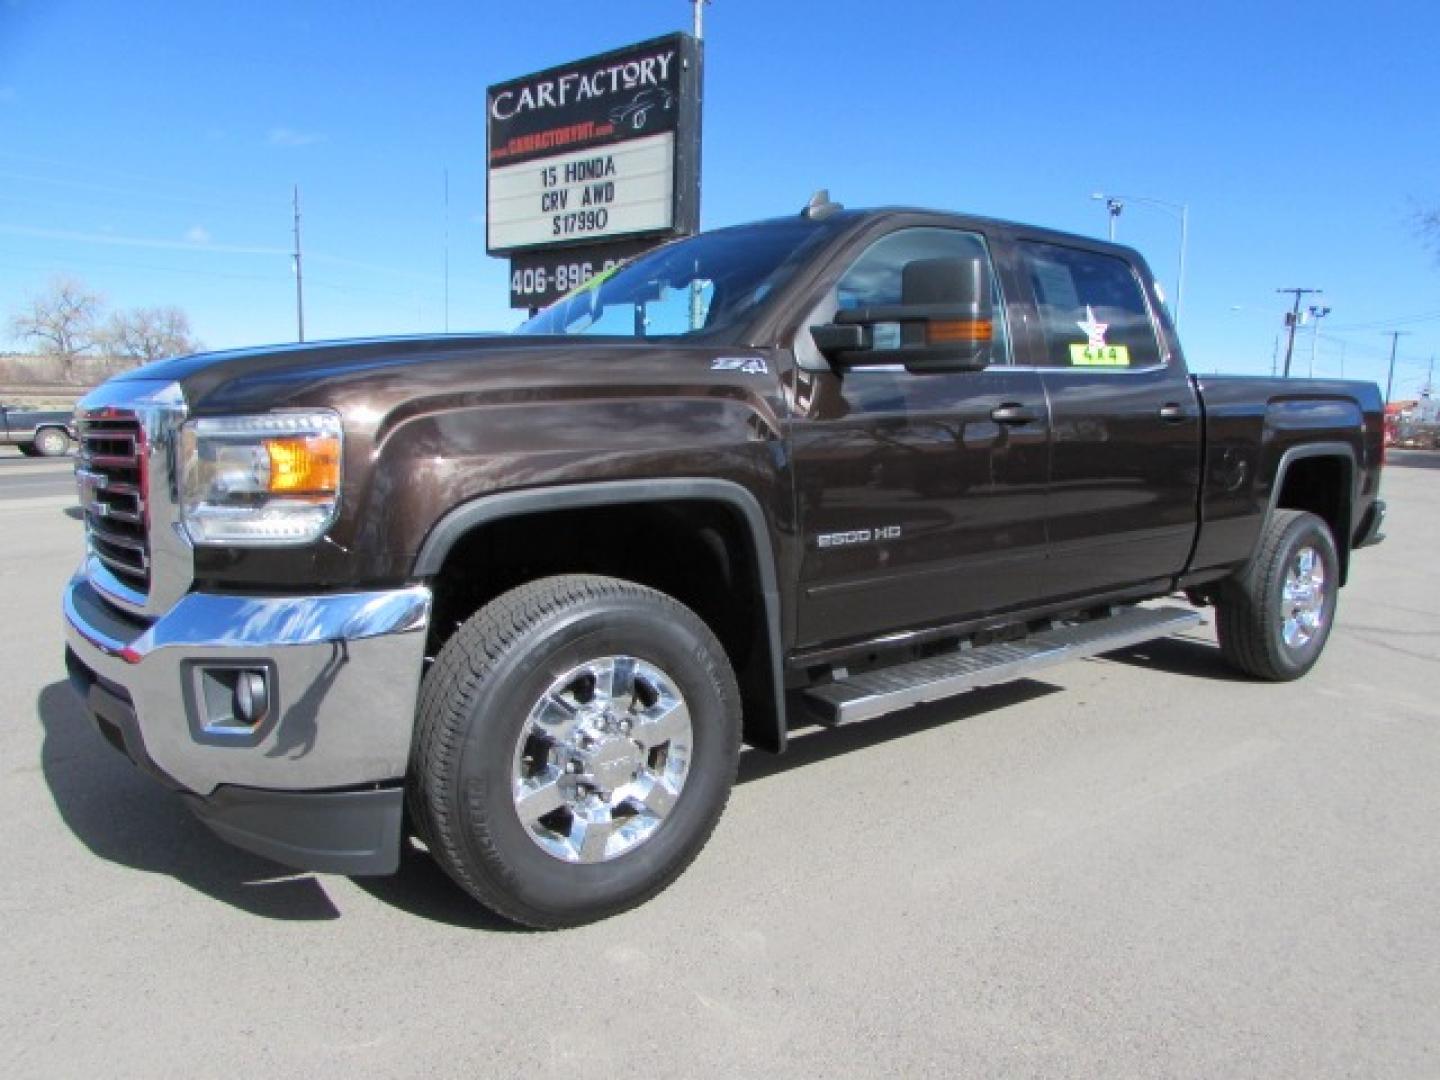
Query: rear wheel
x=51 y=442
x=1275 y=616
x=575 y=745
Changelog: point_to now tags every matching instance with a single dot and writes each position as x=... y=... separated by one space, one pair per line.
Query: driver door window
x=877 y=277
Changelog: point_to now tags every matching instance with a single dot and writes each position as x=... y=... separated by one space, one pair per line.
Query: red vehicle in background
x=1413 y=424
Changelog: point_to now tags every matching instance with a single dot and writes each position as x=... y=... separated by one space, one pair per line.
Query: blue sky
x=150 y=148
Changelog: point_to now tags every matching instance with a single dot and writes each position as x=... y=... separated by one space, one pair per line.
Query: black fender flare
x=485 y=509
x=1345 y=538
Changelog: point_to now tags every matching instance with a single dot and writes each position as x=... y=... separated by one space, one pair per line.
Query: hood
x=285 y=369
x=371 y=377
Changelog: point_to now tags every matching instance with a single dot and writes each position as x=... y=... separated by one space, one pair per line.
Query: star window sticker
x=1094 y=330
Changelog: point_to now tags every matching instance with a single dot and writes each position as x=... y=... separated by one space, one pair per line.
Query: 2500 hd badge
x=857 y=536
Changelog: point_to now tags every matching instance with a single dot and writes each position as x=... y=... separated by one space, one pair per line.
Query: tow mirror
x=944 y=321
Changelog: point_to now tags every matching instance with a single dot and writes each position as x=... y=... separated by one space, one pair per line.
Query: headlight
x=249 y=480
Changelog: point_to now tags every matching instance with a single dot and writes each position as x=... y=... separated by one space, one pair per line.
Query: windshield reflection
x=704 y=286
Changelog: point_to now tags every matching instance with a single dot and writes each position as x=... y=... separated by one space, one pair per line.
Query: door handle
x=1173 y=413
x=1011 y=413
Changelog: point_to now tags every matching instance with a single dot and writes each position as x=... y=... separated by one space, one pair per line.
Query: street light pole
x=1317 y=313
x=1116 y=203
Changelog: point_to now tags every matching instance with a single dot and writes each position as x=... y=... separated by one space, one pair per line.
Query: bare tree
x=1427 y=222
x=148 y=334
x=63 y=319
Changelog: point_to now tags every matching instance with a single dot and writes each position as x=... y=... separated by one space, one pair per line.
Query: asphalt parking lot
x=1138 y=865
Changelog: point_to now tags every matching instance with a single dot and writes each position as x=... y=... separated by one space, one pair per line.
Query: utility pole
x=447 y=250
x=698 y=26
x=1394 y=341
x=1430 y=378
x=299 y=278
x=1292 y=320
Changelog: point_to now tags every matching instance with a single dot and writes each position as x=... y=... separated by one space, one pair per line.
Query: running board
x=888 y=690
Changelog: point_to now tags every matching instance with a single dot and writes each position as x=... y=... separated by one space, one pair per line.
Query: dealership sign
x=592 y=161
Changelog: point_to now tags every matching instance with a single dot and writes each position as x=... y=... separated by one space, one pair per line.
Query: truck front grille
x=111 y=475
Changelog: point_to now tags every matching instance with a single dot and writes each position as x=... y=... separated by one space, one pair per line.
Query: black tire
x=1252 y=607
x=51 y=442
x=474 y=704
x=28 y=449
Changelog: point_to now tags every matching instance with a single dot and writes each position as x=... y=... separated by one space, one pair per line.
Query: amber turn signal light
x=951 y=331
x=304 y=465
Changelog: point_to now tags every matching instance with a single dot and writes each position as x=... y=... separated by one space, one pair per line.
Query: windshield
x=700 y=286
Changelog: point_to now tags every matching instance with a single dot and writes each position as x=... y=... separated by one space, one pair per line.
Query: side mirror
x=944 y=321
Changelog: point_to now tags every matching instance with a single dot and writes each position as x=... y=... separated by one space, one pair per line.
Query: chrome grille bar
x=139 y=558
x=111 y=477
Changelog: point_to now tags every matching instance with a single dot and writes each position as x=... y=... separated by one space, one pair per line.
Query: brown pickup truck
x=519 y=599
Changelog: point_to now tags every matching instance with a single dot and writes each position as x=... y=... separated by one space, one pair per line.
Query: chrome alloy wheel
x=601 y=759
x=1302 y=598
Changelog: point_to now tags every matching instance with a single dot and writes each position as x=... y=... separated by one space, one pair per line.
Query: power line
x=1401 y=320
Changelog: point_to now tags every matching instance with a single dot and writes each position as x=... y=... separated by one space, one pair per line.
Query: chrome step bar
x=888 y=690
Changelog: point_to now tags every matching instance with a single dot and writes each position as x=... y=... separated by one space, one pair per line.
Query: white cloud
x=197 y=234
x=120 y=240
x=285 y=136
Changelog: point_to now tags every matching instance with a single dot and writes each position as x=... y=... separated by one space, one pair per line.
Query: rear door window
x=1093 y=311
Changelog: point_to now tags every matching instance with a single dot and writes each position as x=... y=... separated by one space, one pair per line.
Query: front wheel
x=575 y=744
x=1274 y=617
x=51 y=442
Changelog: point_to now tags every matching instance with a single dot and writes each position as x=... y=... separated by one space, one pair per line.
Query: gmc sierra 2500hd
x=522 y=597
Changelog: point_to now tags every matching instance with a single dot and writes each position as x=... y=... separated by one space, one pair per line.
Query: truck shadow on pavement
x=126 y=818
x=1179 y=656
x=422 y=889
x=812 y=743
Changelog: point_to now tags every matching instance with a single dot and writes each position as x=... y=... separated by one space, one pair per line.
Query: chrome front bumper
x=345 y=670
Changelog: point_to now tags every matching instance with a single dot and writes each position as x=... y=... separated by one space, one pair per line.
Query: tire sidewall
x=51 y=443
x=1307 y=531
x=493 y=835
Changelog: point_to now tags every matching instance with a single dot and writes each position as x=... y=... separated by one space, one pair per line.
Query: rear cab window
x=1092 y=309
